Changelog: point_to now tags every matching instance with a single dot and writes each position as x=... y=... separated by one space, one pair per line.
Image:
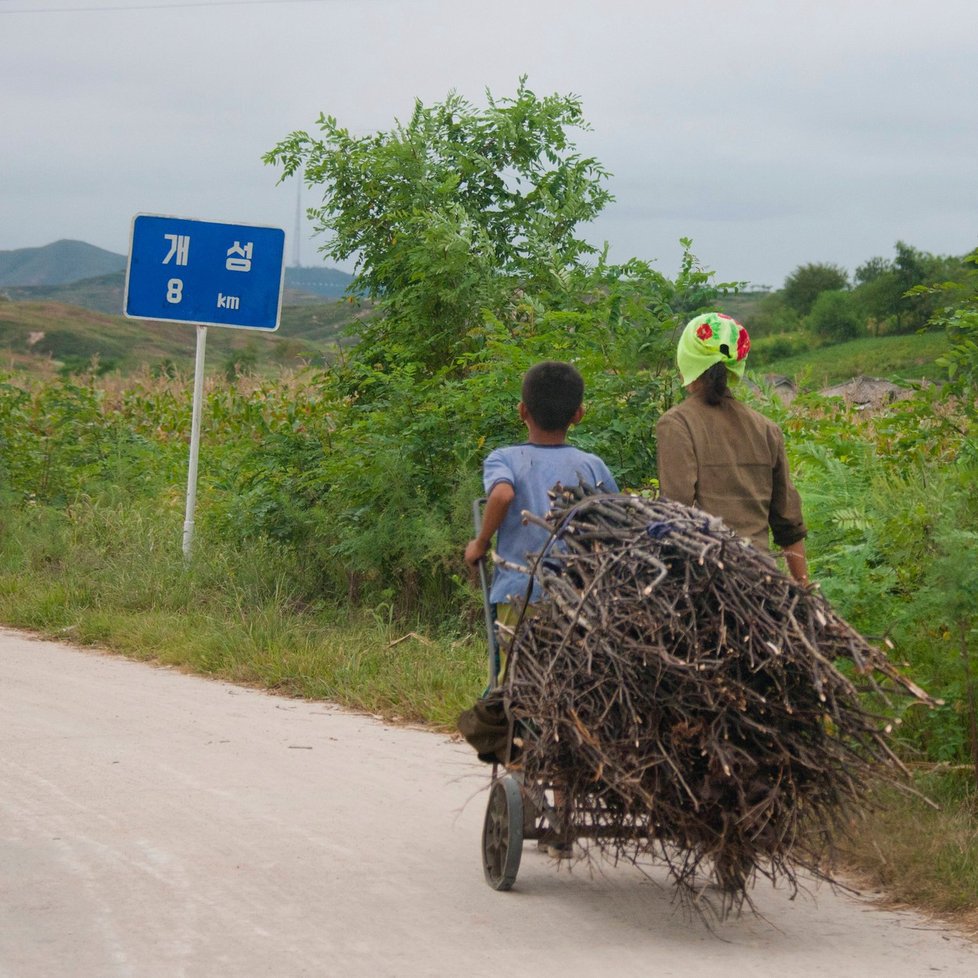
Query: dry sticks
x=697 y=704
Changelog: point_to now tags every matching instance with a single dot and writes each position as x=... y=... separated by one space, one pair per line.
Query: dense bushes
x=888 y=297
x=890 y=503
x=834 y=318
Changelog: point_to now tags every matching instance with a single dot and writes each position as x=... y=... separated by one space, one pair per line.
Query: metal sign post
x=188 y=520
x=204 y=274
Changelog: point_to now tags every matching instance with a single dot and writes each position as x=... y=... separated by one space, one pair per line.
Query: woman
x=723 y=457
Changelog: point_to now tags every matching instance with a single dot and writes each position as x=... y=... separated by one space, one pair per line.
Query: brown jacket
x=729 y=461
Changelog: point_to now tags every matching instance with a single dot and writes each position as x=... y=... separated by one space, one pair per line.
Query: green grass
x=896 y=358
x=354 y=662
x=41 y=332
x=85 y=578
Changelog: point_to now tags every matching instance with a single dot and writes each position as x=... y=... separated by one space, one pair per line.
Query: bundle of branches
x=693 y=701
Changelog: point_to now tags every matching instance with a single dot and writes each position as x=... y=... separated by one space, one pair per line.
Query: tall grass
x=114 y=576
x=898 y=358
x=920 y=856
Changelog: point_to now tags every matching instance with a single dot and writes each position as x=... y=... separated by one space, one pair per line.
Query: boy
x=518 y=478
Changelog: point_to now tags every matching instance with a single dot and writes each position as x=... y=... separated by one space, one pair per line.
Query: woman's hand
x=794 y=554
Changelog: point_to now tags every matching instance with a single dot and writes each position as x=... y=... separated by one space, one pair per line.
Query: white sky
x=771 y=132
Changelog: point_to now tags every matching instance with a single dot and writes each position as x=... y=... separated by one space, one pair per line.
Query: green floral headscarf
x=709 y=339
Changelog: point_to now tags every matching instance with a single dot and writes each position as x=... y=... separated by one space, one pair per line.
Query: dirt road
x=158 y=824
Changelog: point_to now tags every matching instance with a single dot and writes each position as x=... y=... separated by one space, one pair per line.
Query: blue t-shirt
x=532 y=470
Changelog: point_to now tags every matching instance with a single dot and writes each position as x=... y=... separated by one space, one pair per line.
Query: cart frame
x=515 y=812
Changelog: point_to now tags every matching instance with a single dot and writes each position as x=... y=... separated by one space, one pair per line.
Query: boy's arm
x=497 y=505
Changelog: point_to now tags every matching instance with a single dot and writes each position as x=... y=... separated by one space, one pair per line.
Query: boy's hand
x=475 y=551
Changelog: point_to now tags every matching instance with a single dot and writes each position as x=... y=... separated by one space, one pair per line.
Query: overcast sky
x=771 y=133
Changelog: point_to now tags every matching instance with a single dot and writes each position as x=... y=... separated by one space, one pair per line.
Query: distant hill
x=106 y=293
x=80 y=274
x=328 y=283
x=55 y=264
x=63 y=303
x=47 y=335
x=103 y=293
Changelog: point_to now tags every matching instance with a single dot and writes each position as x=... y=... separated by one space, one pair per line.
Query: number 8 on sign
x=174 y=291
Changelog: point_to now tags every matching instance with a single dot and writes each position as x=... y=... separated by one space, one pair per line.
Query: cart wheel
x=502 y=834
x=534 y=824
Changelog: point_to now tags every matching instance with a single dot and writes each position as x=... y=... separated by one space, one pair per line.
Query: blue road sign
x=205 y=273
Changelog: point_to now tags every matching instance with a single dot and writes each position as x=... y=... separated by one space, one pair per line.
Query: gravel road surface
x=158 y=824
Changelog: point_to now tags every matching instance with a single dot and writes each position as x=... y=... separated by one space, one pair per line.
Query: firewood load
x=698 y=705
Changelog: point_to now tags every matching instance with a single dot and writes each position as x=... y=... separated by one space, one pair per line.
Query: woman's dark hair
x=713 y=384
x=552 y=393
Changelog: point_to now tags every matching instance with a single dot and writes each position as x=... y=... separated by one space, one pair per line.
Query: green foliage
x=768 y=349
x=957 y=312
x=457 y=211
x=80 y=365
x=165 y=368
x=771 y=316
x=962 y=359
x=944 y=596
x=871 y=270
x=890 y=505
x=240 y=363
x=463 y=223
x=56 y=441
x=834 y=317
x=377 y=485
x=889 y=296
x=807 y=282
x=896 y=296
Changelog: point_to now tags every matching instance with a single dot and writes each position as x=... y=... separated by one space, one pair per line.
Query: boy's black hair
x=552 y=393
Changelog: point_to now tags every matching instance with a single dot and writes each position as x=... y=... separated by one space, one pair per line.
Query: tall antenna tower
x=296 y=253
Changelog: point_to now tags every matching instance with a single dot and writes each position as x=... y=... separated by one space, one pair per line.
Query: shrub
x=834 y=317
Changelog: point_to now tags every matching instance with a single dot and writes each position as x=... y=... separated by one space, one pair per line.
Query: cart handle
x=488 y=607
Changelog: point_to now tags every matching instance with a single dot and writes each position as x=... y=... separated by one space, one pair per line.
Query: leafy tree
x=896 y=296
x=956 y=310
x=807 y=282
x=890 y=500
x=962 y=359
x=456 y=211
x=871 y=270
x=463 y=225
x=834 y=317
x=772 y=316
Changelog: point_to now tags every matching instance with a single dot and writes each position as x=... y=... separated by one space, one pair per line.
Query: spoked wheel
x=502 y=834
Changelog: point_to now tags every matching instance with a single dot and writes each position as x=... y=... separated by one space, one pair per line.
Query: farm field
x=900 y=359
x=46 y=337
